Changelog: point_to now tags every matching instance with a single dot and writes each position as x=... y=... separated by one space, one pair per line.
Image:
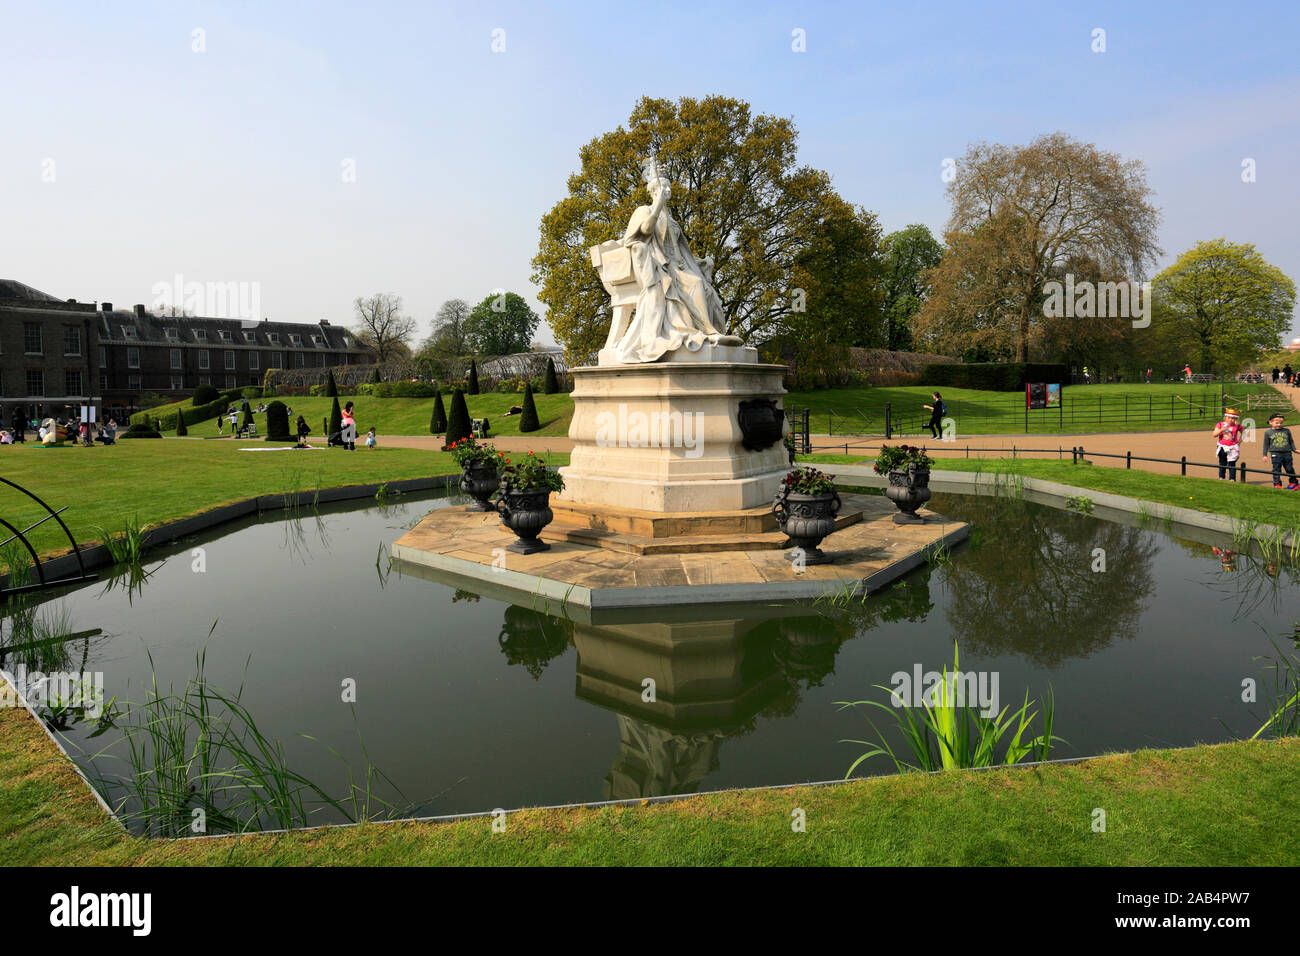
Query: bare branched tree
x=381 y=325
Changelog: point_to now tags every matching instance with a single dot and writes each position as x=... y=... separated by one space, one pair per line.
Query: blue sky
x=226 y=165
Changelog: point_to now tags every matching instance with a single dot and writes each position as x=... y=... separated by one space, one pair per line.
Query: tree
x=908 y=254
x=458 y=424
x=438 y=420
x=1018 y=214
x=377 y=378
x=246 y=421
x=448 y=337
x=181 y=429
x=336 y=418
x=551 y=384
x=382 y=327
x=1226 y=300
x=528 y=418
x=473 y=377
x=204 y=395
x=502 y=324
x=736 y=192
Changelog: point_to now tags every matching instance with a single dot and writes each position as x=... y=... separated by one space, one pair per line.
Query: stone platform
x=615 y=569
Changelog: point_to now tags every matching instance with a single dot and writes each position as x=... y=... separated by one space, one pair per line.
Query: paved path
x=1198 y=446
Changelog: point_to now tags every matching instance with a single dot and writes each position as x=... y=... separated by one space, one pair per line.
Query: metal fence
x=1070 y=414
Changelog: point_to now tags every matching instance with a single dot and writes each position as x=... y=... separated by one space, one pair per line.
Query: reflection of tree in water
x=533 y=640
x=1026 y=585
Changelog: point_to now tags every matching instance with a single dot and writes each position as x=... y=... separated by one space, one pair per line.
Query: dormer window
x=128 y=332
x=318 y=341
x=273 y=337
x=250 y=337
x=201 y=334
x=225 y=335
x=173 y=334
x=295 y=339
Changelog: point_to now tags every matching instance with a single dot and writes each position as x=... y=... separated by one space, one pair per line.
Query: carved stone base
x=666 y=437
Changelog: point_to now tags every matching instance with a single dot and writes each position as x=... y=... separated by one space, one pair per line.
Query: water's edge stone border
x=1057 y=493
x=97 y=556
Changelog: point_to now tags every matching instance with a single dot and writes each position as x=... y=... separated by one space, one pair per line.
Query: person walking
x=1286 y=373
x=1187 y=373
x=1148 y=375
x=1228 y=433
x=937 y=412
x=349 y=433
x=1279 y=447
x=370 y=438
x=1277 y=372
x=303 y=430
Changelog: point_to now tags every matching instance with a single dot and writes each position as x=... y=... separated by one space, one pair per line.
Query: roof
x=11 y=289
x=127 y=326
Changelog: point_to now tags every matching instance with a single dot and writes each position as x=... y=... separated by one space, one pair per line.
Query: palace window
x=176 y=358
x=132 y=358
x=32 y=339
x=35 y=382
x=71 y=340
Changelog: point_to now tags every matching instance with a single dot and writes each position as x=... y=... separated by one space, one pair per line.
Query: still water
x=467 y=703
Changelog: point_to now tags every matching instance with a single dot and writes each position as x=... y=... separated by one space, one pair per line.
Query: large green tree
x=1225 y=301
x=502 y=324
x=1018 y=214
x=908 y=254
x=737 y=193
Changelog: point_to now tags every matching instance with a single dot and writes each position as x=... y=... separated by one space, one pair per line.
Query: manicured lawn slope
x=1249 y=502
x=1149 y=408
x=159 y=480
x=409 y=416
x=1233 y=804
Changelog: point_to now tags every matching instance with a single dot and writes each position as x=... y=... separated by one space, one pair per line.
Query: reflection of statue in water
x=655 y=762
x=677 y=306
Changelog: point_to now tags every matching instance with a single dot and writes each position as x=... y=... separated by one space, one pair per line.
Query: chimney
x=139 y=310
x=324 y=321
x=72 y=302
x=107 y=306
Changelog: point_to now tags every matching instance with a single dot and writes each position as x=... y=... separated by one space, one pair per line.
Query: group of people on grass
x=1279 y=448
x=58 y=430
x=1284 y=375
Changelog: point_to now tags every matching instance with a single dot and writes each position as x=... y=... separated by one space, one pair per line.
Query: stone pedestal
x=666 y=436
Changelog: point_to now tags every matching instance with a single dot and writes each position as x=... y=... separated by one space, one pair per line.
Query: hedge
x=994 y=376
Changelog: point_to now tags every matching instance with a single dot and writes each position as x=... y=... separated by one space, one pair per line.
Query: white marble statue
x=663 y=297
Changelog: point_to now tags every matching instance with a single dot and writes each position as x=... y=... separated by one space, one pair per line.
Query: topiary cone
x=458 y=423
x=438 y=420
x=528 y=420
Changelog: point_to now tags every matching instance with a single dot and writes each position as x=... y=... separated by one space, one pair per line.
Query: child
x=370 y=438
x=1228 y=432
x=1279 y=446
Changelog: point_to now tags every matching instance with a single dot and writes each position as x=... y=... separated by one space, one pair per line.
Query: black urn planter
x=909 y=490
x=806 y=520
x=479 y=481
x=525 y=511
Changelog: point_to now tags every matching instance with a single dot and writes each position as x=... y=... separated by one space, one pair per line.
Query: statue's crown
x=650 y=169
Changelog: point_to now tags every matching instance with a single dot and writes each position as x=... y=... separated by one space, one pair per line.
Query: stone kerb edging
x=1053 y=492
x=97 y=556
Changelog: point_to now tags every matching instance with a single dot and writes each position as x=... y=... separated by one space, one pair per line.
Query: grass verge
x=1231 y=803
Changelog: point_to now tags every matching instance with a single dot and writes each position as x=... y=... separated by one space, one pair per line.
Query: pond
x=467 y=703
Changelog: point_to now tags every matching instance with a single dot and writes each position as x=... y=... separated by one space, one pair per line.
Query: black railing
x=21 y=535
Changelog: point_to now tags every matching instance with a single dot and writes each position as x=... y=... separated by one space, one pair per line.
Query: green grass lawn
x=157 y=480
x=1228 y=804
x=1256 y=503
x=1085 y=408
x=409 y=416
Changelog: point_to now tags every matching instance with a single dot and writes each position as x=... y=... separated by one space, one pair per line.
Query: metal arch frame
x=83 y=574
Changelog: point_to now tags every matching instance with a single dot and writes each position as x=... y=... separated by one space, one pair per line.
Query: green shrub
x=552 y=383
x=438 y=420
x=180 y=425
x=528 y=420
x=458 y=423
x=317 y=390
x=366 y=388
x=277 y=422
x=204 y=395
x=473 y=377
x=403 y=390
x=336 y=417
x=252 y=391
x=268 y=391
x=993 y=376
